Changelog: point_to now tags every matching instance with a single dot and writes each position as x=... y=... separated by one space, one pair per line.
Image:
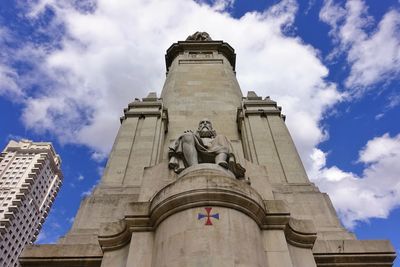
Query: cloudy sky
x=68 y=68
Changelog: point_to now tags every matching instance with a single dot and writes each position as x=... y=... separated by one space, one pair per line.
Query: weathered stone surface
x=141 y=250
x=144 y=214
x=233 y=240
x=377 y=253
x=204 y=146
x=199 y=36
x=62 y=255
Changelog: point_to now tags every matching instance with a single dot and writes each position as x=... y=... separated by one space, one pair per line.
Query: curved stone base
x=205 y=185
x=207 y=218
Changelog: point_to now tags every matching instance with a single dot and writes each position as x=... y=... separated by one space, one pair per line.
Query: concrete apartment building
x=30 y=177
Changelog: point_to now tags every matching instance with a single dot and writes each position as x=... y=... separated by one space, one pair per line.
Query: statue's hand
x=188 y=131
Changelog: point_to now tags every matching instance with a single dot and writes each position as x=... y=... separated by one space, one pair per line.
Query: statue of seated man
x=203 y=146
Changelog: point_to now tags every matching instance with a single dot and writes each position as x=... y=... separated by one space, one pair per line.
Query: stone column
x=267 y=141
x=140 y=250
x=139 y=142
x=201 y=83
x=276 y=249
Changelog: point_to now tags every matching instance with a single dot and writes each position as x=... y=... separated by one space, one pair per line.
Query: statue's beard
x=206 y=133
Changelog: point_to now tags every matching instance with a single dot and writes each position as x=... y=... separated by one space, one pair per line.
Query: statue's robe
x=206 y=153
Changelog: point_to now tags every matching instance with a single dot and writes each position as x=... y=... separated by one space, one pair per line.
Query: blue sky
x=68 y=68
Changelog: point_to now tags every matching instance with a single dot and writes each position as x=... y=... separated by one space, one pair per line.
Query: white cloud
x=99 y=156
x=381 y=148
x=113 y=51
x=394 y=101
x=8 y=84
x=89 y=191
x=55 y=225
x=220 y=5
x=81 y=177
x=8 y=76
x=51 y=230
x=373 y=194
x=13 y=137
x=116 y=53
x=373 y=53
x=379 y=116
x=41 y=237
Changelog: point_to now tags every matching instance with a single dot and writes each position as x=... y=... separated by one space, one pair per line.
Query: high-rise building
x=30 y=178
x=234 y=192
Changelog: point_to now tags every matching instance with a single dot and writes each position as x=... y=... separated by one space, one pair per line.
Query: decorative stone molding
x=255 y=105
x=224 y=48
x=149 y=106
x=277 y=215
x=206 y=185
x=88 y=255
x=114 y=235
x=301 y=233
x=366 y=253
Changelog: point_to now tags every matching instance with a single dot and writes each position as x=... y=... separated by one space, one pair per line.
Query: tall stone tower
x=232 y=193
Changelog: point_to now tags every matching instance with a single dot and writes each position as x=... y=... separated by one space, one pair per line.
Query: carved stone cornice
x=366 y=253
x=254 y=105
x=61 y=255
x=114 y=235
x=206 y=186
x=149 y=106
x=301 y=233
x=224 y=48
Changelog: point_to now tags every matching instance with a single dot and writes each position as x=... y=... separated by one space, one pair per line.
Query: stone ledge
x=278 y=214
x=114 y=235
x=376 y=253
x=205 y=168
x=220 y=46
x=301 y=233
x=61 y=255
x=204 y=187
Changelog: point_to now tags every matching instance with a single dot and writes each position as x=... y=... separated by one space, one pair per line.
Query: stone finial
x=199 y=36
x=251 y=95
x=152 y=96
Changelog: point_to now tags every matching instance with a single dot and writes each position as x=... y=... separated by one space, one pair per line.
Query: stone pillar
x=140 y=250
x=276 y=249
x=139 y=142
x=197 y=224
x=232 y=240
x=201 y=83
x=115 y=258
x=266 y=140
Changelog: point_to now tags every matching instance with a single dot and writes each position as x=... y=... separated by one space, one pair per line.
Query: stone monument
x=203 y=146
x=173 y=197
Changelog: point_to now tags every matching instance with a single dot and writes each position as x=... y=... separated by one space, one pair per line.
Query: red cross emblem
x=208 y=216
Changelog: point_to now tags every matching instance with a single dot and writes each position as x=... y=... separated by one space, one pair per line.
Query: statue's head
x=199 y=36
x=205 y=129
